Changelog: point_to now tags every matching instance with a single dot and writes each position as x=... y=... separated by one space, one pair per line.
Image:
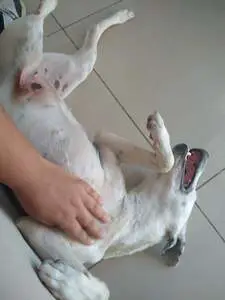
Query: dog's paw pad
x=155 y=127
x=125 y=15
x=155 y=121
x=172 y=261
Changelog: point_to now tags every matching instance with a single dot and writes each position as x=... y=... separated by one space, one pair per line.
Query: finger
x=75 y=230
x=97 y=211
x=94 y=194
x=89 y=224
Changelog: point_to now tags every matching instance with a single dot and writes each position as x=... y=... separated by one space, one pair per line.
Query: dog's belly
x=61 y=140
x=59 y=73
x=54 y=244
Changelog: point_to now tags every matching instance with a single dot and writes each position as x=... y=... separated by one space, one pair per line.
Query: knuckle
x=83 y=236
x=76 y=228
x=99 y=212
x=94 y=194
x=89 y=222
x=95 y=207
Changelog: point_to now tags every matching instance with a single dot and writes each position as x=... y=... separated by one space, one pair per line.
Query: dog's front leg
x=161 y=160
x=174 y=248
x=27 y=35
x=67 y=283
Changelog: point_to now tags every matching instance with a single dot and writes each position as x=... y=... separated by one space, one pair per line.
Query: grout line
x=110 y=91
x=210 y=222
x=122 y=107
x=210 y=179
x=89 y=15
x=54 y=17
x=202 y=211
x=50 y=34
x=130 y=117
x=201 y=186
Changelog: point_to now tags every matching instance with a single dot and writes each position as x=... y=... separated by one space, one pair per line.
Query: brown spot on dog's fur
x=36 y=86
x=65 y=86
x=57 y=84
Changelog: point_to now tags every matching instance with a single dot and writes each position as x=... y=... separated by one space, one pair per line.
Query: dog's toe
x=67 y=283
x=125 y=15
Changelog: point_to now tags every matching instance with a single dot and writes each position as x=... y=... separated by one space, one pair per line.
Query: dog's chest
x=59 y=139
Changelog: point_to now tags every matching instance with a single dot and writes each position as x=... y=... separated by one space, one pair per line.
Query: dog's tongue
x=192 y=162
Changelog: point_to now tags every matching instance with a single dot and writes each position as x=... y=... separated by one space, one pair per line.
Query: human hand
x=56 y=198
x=46 y=191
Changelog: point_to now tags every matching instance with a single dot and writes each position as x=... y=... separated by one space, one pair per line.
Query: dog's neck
x=147 y=221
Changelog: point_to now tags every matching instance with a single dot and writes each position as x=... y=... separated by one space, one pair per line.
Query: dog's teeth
x=188 y=154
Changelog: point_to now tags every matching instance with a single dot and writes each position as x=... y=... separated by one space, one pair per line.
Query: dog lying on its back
x=145 y=207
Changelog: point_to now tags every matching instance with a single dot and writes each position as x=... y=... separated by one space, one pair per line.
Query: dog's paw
x=46 y=7
x=67 y=283
x=124 y=15
x=160 y=141
x=157 y=131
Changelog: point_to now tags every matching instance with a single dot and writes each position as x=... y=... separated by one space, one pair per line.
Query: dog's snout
x=180 y=149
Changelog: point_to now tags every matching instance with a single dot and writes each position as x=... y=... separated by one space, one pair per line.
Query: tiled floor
x=171 y=57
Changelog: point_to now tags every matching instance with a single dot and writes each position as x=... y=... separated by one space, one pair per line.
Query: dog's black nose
x=180 y=149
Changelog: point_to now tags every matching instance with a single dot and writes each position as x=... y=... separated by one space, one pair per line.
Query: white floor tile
x=211 y=201
x=91 y=103
x=171 y=57
x=200 y=274
x=69 y=11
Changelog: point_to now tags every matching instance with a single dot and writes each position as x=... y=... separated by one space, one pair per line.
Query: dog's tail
x=46 y=7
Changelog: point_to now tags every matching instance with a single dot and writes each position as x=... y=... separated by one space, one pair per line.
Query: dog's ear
x=170 y=244
x=172 y=254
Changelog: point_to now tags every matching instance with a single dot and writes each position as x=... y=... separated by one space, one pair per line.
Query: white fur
x=143 y=214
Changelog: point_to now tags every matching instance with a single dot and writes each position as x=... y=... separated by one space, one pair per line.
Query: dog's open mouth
x=191 y=164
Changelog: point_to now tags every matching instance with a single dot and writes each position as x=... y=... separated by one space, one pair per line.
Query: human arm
x=47 y=192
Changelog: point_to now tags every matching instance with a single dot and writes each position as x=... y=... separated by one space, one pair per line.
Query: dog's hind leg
x=89 y=48
x=63 y=73
x=67 y=283
x=161 y=160
x=22 y=46
x=84 y=58
x=31 y=51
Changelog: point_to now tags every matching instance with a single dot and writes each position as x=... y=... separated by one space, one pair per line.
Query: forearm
x=40 y=186
x=18 y=159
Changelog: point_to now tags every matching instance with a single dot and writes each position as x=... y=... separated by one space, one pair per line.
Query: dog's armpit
x=29 y=88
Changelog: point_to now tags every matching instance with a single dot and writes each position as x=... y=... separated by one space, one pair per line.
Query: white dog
x=152 y=201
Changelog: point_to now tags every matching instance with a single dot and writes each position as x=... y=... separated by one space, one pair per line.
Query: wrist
x=19 y=161
x=23 y=171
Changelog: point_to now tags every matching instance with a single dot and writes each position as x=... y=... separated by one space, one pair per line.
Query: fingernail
x=106 y=218
x=101 y=233
x=100 y=200
x=90 y=242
